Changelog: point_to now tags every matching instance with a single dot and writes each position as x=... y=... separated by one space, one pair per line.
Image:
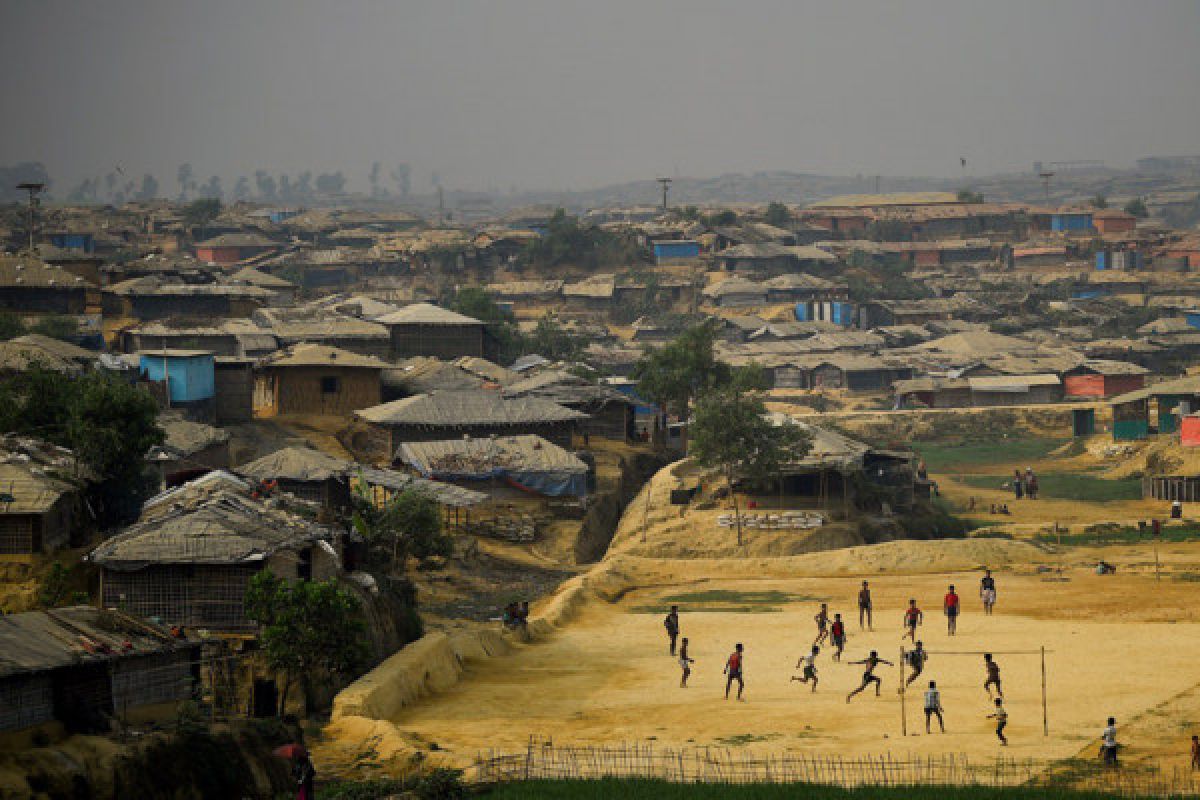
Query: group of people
x=1025 y=484
x=516 y=614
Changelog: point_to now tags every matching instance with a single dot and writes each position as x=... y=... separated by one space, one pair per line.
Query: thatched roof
x=296 y=464
x=457 y=409
x=225 y=527
x=479 y=456
x=30 y=272
x=256 y=277
x=426 y=314
x=319 y=355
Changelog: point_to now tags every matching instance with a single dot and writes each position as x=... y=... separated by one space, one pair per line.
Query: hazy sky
x=562 y=94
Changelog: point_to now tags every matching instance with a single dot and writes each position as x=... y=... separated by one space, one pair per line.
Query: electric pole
x=33 y=189
x=666 y=185
x=1046 y=176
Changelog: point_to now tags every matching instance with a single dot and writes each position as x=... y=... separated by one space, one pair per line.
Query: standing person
x=933 y=706
x=822 y=620
x=1001 y=717
x=1108 y=743
x=837 y=634
x=987 y=591
x=950 y=606
x=869 y=663
x=1018 y=484
x=993 y=675
x=733 y=671
x=685 y=663
x=864 y=606
x=809 y=663
x=1031 y=484
x=916 y=659
x=1195 y=751
x=671 y=623
x=912 y=618
x=305 y=776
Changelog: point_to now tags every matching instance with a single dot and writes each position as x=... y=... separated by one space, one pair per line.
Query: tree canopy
x=407 y=523
x=671 y=376
x=201 y=211
x=731 y=433
x=108 y=423
x=967 y=196
x=308 y=629
x=568 y=242
x=1137 y=207
x=778 y=215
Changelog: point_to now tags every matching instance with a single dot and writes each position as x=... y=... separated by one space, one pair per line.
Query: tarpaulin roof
x=528 y=460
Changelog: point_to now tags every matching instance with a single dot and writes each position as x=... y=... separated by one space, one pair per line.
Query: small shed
x=673 y=251
x=41 y=509
x=230 y=248
x=1103 y=378
x=316 y=379
x=82 y=667
x=423 y=329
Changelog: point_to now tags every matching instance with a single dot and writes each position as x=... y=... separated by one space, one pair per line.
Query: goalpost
x=1041 y=653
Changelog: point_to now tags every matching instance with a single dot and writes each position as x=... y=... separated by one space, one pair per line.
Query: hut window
x=329 y=385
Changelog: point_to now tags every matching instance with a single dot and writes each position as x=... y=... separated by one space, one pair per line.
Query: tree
x=149 y=189
x=731 y=433
x=109 y=424
x=1100 y=201
x=721 y=219
x=265 y=185
x=671 y=376
x=212 y=189
x=551 y=340
x=501 y=324
x=201 y=211
x=185 y=178
x=307 y=629
x=57 y=327
x=241 y=189
x=967 y=196
x=1137 y=207
x=373 y=178
x=567 y=242
x=778 y=215
x=402 y=175
x=407 y=523
x=331 y=183
x=11 y=326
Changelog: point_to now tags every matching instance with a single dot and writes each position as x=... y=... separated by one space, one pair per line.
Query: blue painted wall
x=191 y=378
x=1071 y=222
x=74 y=241
x=1193 y=318
x=683 y=248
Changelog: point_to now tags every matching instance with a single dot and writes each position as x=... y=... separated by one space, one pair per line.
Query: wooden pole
x=903 y=711
x=1045 y=715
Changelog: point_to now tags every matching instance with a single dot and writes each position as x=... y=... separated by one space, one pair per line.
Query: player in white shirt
x=809 y=663
x=933 y=706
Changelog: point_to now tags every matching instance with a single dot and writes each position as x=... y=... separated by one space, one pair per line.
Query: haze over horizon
x=558 y=96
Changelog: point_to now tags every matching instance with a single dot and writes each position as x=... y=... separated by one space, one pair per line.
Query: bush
x=441 y=784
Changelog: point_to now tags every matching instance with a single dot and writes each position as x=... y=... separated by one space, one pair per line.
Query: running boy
x=1001 y=717
x=916 y=659
x=869 y=663
x=733 y=671
x=950 y=606
x=822 y=620
x=933 y=706
x=837 y=634
x=993 y=675
x=809 y=663
x=912 y=618
x=671 y=623
x=987 y=591
x=685 y=662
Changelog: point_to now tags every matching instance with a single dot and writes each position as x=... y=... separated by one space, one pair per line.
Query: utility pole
x=666 y=185
x=1046 y=176
x=34 y=189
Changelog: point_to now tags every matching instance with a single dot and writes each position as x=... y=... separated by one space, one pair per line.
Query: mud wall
x=605 y=508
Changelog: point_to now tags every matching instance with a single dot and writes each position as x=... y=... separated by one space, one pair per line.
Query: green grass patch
x=740 y=739
x=942 y=456
x=1111 y=533
x=724 y=601
x=1068 y=486
x=662 y=790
